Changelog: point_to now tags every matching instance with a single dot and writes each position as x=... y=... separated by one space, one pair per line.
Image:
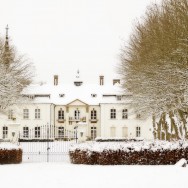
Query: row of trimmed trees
x=154 y=68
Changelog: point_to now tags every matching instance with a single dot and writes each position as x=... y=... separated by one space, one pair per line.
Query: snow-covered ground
x=65 y=175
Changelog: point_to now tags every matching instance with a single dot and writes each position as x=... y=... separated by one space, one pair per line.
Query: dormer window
x=94 y=95
x=78 y=83
x=119 y=97
x=31 y=96
x=61 y=95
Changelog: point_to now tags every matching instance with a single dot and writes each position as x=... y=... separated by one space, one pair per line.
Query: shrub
x=10 y=154
x=116 y=139
x=130 y=153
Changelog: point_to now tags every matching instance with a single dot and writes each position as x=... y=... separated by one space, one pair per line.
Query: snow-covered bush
x=10 y=154
x=118 y=139
x=129 y=153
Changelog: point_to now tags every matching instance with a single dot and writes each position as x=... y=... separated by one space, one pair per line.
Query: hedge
x=132 y=153
x=101 y=139
x=10 y=154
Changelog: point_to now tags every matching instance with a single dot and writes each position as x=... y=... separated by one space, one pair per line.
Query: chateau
x=95 y=110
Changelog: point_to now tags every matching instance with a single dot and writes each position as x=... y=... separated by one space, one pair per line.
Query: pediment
x=77 y=102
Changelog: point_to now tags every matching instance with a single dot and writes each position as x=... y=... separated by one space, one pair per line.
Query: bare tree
x=154 y=67
x=16 y=73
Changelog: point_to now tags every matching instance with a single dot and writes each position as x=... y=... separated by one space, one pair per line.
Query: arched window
x=60 y=114
x=77 y=114
x=125 y=114
x=93 y=114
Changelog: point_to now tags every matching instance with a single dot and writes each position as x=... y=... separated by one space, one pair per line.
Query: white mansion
x=96 y=110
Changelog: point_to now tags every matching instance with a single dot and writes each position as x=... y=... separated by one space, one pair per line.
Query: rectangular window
x=138 y=131
x=37 y=132
x=113 y=113
x=26 y=113
x=125 y=114
x=93 y=132
x=5 y=132
x=10 y=114
x=93 y=114
x=125 y=132
x=77 y=114
x=25 y=132
x=37 y=113
x=61 y=132
x=112 y=132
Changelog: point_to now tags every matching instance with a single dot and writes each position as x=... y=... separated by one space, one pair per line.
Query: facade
x=96 y=110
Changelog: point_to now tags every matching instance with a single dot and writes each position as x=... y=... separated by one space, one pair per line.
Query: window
x=112 y=131
x=10 y=114
x=61 y=132
x=77 y=114
x=37 y=132
x=138 y=131
x=25 y=132
x=125 y=132
x=93 y=132
x=93 y=114
x=61 y=114
x=37 y=113
x=26 y=113
x=61 y=95
x=94 y=95
x=5 y=132
x=138 y=116
x=113 y=113
x=125 y=114
x=119 y=97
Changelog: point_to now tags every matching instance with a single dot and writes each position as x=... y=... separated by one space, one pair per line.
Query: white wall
x=131 y=123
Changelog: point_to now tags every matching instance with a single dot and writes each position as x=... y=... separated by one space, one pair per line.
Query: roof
x=91 y=94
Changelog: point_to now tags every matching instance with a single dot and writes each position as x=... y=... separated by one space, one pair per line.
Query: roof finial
x=7 y=28
x=7 y=39
x=78 y=74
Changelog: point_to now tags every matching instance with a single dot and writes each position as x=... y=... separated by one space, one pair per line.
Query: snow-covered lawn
x=65 y=175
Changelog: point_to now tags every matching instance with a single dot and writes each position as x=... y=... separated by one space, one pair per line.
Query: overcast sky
x=61 y=36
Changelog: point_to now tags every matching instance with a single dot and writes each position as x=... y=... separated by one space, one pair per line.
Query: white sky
x=60 y=36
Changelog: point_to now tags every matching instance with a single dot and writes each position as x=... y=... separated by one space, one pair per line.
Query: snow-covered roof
x=63 y=94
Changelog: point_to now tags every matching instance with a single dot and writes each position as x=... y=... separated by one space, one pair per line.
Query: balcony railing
x=83 y=119
x=61 y=120
x=93 y=120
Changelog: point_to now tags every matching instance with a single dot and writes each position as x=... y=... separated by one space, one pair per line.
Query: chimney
x=116 y=81
x=55 y=80
x=101 y=80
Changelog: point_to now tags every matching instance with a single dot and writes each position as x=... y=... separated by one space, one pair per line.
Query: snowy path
x=64 y=175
